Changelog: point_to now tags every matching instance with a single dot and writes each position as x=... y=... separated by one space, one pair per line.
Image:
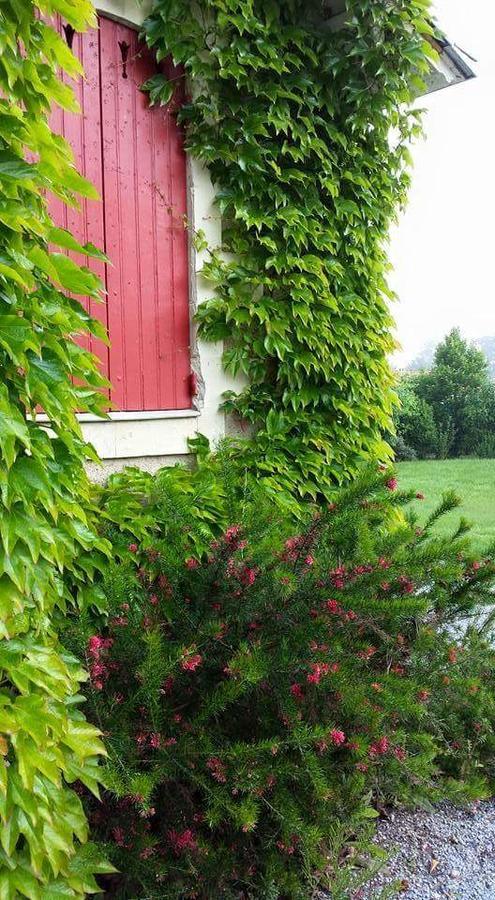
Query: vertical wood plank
x=83 y=132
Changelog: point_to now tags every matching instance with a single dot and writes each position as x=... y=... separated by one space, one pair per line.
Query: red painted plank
x=84 y=135
x=136 y=158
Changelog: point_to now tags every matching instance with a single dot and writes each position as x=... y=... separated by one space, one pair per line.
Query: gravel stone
x=444 y=854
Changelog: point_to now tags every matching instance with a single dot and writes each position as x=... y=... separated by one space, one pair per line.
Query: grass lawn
x=472 y=479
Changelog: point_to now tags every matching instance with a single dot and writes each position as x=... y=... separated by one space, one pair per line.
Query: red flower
x=392 y=484
x=337 y=737
x=317 y=672
x=164 y=583
x=367 y=653
x=167 y=685
x=247 y=576
x=154 y=600
x=333 y=606
x=133 y=548
x=297 y=691
x=423 y=696
x=97 y=669
x=379 y=747
x=182 y=841
x=400 y=753
x=406 y=584
x=338 y=577
x=95 y=644
x=420 y=496
x=155 y=740
x=118 y=836
x=191 y=563
x=231 y=538
x=217 y=769
x=190 y=663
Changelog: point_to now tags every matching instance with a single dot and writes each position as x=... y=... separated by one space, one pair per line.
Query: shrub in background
x=263 y=696
x=414 y=422
x=402 y=451
x=486 y=446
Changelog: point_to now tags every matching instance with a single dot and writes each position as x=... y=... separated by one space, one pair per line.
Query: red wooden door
x=135 y=157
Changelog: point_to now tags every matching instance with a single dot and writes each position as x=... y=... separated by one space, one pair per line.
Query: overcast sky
x=443 y=252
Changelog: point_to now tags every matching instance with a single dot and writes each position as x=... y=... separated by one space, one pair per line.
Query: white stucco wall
x=162 y=435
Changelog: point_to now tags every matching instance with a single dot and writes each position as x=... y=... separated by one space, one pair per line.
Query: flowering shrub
x=262 y=700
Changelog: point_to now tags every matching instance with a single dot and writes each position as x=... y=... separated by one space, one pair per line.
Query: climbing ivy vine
x=46 y=520
x=305 y=129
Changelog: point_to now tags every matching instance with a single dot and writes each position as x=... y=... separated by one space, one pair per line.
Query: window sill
x=134 y=416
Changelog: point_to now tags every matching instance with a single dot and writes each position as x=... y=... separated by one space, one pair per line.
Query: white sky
x=443 y=251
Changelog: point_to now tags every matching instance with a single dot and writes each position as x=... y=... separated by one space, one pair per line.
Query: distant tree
x=460 y=393
x=414 y=422
x=424 y=359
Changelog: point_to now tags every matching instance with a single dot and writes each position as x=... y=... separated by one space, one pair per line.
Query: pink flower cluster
x=232 y=538
x=183 y=841
x=289 y=848
x=338 y=576
x=99 y=669
x=297 y=691
x=380 y=747
x=294 y=546
x=367 y=653
x=319 y=670
x=153 y=740
x=244 y=574
x=191 y=660
x=406 y=585
x=217 y=769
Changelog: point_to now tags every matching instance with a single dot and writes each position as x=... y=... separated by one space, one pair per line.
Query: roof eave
x=450 y=69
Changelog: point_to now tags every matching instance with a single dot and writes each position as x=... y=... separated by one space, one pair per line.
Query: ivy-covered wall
x=47 y=522
x=306 y=133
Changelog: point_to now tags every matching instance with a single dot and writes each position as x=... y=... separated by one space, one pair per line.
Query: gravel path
x=447 y=854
